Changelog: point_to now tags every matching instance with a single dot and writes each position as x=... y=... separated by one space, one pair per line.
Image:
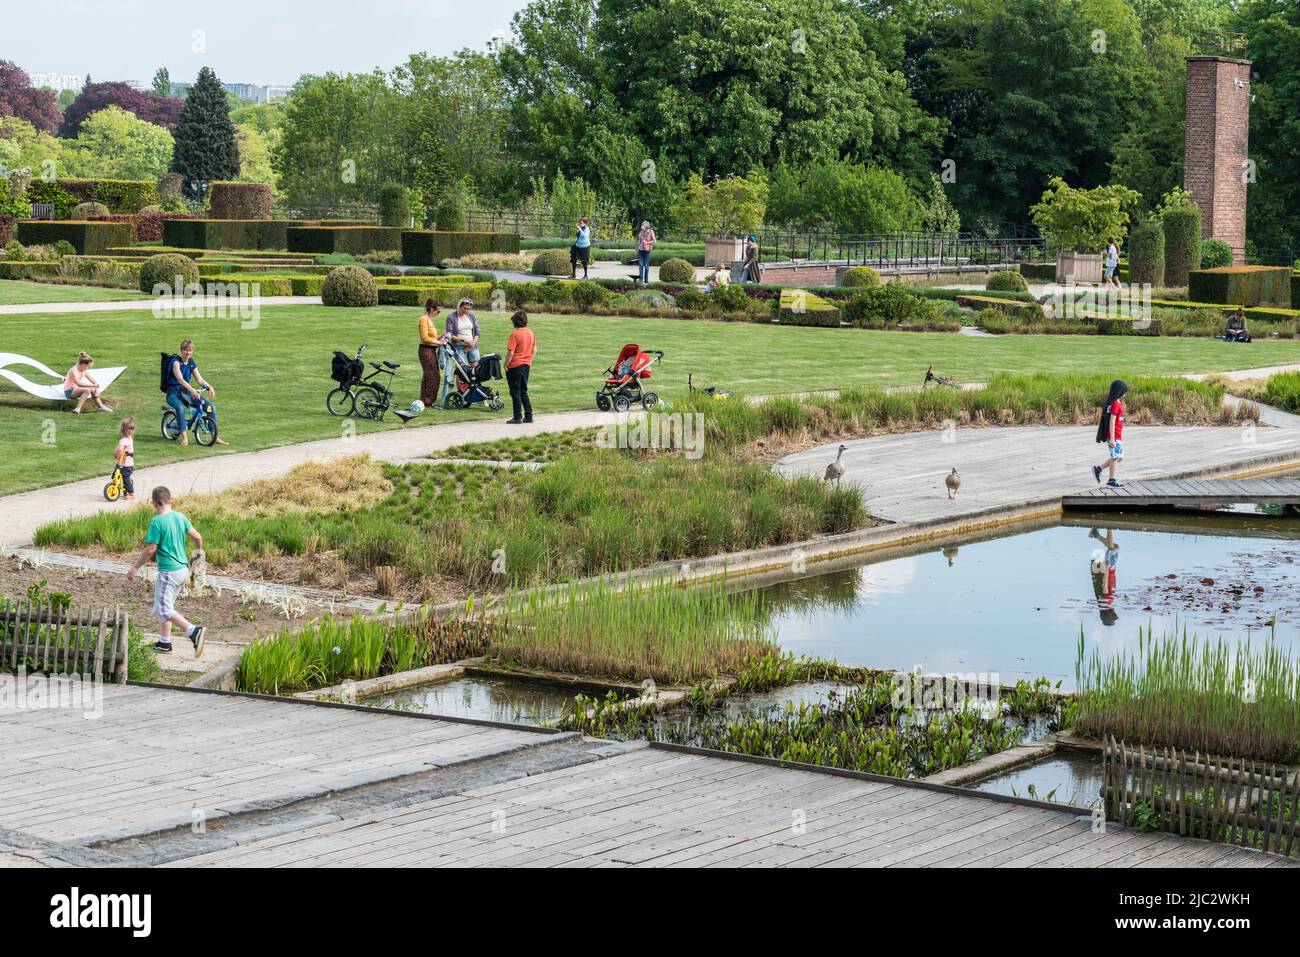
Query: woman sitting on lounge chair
x=79 y=384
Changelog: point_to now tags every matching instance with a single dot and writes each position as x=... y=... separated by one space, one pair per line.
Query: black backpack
x=165 y=371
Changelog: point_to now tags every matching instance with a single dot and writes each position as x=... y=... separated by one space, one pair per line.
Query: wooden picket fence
x=1231 y=800
x=57 y=639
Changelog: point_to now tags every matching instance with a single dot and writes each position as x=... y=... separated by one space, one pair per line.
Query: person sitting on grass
x=165 y=542
x=79 y=384
x=1236 y=331
x=462 y=333
x=181 y=394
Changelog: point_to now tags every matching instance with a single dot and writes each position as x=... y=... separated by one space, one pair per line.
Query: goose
x=953 y=481
x=835 y=471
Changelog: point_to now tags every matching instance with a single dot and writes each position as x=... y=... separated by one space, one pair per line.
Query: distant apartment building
x=247 y=91
x=58 y=82
x=274 y=93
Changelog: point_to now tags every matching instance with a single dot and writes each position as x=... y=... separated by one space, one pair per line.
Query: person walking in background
x=1112 y=264
x=124 y=456
x=521 y=347
x=581 y=252
x=1111 y=431
x=165 y=542
x=645 y=245
x=753 y=272
x=79 y=384
x=430 y=340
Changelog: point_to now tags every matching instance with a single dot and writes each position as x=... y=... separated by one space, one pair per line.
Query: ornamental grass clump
x=1180 y=691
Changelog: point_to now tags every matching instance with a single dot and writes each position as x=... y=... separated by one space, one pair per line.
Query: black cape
x=1117 y=389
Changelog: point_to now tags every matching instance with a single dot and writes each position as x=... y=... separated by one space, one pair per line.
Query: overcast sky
x=247 y=41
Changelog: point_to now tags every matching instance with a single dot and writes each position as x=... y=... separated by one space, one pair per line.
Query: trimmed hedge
x=1182 y=227
x=240 y=201
x=86 y=238
x=889 y=305
x=1241 y=286
x=1038 y=272
x=813 y=310
x=448 y=294
x=119 y=195
x=270 y=284
x=1146 y=253
x=349 y=286
x=858 y=277
x=552 y=262
x=225 y=233
x=342 y=239
x=394 y=209
x=1007 y=281
x=676 y=270
x=1215 y=254
x=1028 y=310
x=169 y=269
x=429 y=247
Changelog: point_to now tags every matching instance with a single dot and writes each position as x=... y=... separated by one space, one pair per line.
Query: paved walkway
x=902 y=476
x=22 y=514
x=191 y=779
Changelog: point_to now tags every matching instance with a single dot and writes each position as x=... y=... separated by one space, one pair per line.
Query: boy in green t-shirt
x=166 y=541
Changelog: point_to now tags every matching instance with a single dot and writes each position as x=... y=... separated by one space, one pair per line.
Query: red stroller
x=622 y=384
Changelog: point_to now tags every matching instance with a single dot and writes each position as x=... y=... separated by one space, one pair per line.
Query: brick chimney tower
x=1215 y=158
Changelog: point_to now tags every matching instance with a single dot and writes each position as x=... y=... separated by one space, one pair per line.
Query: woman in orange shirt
x=520 y=349
x=430 y=340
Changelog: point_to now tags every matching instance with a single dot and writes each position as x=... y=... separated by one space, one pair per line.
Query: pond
x=1069 y=776
x=1015 y=605
x=485 y=698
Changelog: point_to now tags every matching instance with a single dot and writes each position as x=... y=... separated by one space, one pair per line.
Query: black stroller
x=465 y=385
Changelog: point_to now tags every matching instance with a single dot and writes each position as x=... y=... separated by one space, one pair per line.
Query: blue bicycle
x=201 y=419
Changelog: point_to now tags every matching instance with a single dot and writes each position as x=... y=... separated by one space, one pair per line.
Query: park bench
x=53 y=638
x=42 y=210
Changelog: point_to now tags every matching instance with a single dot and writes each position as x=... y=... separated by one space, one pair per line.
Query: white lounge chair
x=54 y=392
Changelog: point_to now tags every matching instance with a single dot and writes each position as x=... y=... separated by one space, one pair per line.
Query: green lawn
x=16 y=292
x=272 y=379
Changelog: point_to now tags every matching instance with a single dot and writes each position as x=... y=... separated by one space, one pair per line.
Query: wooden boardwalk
x=1189 y=492
x=290 y=784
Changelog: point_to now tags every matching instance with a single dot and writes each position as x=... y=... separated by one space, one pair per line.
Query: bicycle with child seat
x=200 y=418
x=364 y=397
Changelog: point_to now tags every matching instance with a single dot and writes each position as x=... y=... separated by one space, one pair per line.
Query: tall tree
x=115 y=144
x=1272 y=29
x=19 y=98
x=205 y=138
x=162 y=82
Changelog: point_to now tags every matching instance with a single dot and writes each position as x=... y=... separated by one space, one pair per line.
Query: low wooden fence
x=1231 y=800
x=54 y=639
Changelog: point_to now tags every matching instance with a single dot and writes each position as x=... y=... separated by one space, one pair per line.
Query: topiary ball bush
x=349 y=286
x=88 y=211
x=860 y=276
x=676 y=270
x=1007 y=280
x=163 y=270
x=552 y=262
x=1215 y=254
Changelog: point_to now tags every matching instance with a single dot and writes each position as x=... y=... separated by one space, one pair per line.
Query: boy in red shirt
x=521 y=347
x=1111 y=431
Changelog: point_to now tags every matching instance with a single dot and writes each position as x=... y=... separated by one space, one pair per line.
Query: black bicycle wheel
x=370 y=403
x=340 y=402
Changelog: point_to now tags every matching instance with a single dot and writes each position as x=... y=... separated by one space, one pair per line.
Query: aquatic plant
x=1180 y=691
x=672 y=634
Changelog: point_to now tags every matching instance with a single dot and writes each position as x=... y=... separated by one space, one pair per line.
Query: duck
x=835 y=471
x=953 y=481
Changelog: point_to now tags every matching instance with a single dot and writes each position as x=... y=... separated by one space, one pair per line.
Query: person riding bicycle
x=181 y=394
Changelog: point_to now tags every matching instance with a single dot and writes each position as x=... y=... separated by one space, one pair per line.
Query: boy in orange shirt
x=521 y=347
